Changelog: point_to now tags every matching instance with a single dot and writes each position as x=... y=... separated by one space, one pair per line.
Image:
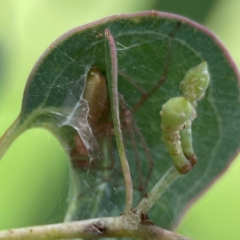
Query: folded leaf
x=154 y=52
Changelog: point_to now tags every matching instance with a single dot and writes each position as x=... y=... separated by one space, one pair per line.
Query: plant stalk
x=127 y=225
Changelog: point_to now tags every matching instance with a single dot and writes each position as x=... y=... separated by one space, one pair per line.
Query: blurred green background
x=34 y=172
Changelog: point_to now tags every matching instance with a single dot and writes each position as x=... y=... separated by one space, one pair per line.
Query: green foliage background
x=34 y=173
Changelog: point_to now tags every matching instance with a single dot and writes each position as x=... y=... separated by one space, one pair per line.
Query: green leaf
x=154 y=50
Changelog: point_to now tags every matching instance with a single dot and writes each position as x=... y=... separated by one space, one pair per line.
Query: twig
x=128 y=225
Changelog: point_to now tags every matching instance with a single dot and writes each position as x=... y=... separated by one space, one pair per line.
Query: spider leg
x=148 y=154
x=160 y=81
x=133 y=131
x=128 y=120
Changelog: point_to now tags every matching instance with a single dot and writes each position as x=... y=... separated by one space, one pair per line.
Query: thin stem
x=125 y=226
x=150 y=198
x=111 y=57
